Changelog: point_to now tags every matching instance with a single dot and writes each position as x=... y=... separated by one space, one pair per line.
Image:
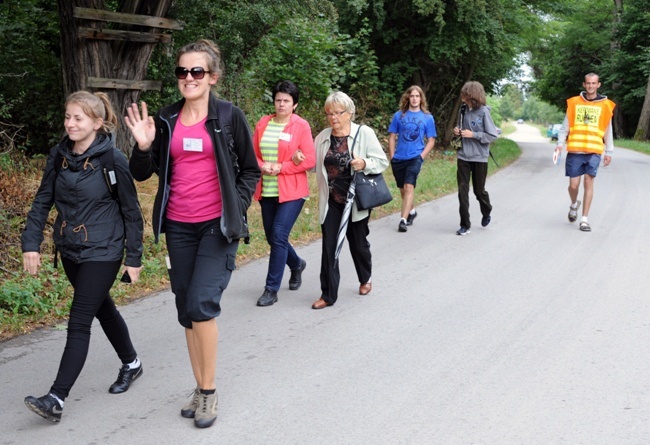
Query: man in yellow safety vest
x=587 y=133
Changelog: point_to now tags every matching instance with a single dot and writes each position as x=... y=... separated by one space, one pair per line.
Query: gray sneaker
x=206 y=412
x=189 y=410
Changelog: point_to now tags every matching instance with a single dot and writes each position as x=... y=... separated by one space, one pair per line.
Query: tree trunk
x=643 y=128
x=110 y=59
x=618 y=122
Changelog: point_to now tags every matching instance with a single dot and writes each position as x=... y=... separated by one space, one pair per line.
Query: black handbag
x=371 y=189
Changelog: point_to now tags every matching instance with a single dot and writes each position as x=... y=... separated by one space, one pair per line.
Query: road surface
x=525 y=332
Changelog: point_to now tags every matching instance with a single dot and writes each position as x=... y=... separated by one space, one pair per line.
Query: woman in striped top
x=285 y=152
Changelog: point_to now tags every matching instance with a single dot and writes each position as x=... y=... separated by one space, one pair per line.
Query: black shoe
x=486 y=220
x=402 y=226
x=463 y=231
x=411 y=218
x=125 y=378
x=267 y=298
x=296 y=276
x=47 y=407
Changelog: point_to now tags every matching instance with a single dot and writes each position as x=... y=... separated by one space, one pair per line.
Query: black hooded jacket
x=91 y=224
x=236 y=165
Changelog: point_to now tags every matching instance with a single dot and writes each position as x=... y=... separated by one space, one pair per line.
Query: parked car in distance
x=520 y=121
x=553 y=131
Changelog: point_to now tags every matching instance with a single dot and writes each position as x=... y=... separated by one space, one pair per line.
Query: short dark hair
x=287 y=87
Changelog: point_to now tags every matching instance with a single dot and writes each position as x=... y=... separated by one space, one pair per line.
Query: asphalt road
x=525 y=332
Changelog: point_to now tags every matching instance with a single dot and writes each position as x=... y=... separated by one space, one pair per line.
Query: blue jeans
x=278 y=219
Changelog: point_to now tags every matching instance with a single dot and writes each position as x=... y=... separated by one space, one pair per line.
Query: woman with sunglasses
x=206 y=182
x=285 y=151
x=334 y=165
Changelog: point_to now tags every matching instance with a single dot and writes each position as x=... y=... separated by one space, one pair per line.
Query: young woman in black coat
x=98 y=220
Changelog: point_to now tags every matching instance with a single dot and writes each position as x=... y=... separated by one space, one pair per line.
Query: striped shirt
x=269 y=149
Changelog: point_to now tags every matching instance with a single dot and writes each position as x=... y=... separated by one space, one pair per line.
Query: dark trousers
x=278 y=219
x=478 y=172
x=92 y=282
x=356 y=234
x=202 y=263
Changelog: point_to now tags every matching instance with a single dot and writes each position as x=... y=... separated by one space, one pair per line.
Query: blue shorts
x=406 y=171
x=578 y=164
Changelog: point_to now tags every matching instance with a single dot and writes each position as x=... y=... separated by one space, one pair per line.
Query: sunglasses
x=197 y=72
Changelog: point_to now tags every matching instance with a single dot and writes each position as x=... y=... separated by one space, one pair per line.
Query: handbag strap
x=354 y=141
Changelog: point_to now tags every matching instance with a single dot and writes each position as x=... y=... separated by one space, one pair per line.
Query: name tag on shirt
x=285 y=137
x=190 y=144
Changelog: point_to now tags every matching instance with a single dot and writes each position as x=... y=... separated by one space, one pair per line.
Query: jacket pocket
x=96 y=239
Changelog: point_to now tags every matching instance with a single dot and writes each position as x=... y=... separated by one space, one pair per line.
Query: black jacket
x=91 y=225
x=236 y=165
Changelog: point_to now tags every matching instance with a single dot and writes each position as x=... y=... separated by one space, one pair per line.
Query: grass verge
x=28 y=303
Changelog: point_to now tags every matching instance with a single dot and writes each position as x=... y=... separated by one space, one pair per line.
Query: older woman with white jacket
x=336 y=158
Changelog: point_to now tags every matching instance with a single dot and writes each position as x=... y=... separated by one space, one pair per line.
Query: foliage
x=30 y=72
x=629 y=67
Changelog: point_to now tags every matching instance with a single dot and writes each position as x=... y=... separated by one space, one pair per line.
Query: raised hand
x=141 y=125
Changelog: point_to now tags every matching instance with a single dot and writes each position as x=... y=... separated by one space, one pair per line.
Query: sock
x=403 y=219
x=412 y=212
x=61 y=402
x=574 y=205
x=134 y=364
x=207 y=391
x=583 y=219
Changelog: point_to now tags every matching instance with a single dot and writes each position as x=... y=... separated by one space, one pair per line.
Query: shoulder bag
x=371 y=189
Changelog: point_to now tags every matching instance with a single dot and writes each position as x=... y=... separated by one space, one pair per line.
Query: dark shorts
x=580 y=164
x=406 y=171
x=202 y=261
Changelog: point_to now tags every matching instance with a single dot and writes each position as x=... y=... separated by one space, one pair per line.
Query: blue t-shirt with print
x=413 y=129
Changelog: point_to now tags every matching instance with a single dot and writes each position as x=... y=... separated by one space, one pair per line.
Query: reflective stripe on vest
x=588 y=122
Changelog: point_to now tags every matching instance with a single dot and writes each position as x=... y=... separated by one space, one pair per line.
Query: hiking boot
x=463 y=231
x=296 y=276
x=268 y=298
x=206 y=412
x=573 y=213
x=189 y=410
x=486 y=220
x=411 y=218
x=47 y=407
x=402 y=226
x=125 y=377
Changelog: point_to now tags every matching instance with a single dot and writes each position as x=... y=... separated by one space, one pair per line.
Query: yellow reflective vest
x=588 y=121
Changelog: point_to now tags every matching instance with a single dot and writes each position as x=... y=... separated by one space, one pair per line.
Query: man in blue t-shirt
x=414 y=130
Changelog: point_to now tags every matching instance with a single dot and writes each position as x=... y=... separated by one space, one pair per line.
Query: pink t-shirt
x=195 y=194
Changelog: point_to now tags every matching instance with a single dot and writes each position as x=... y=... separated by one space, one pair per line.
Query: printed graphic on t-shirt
x=587 y=115
x=410 y=130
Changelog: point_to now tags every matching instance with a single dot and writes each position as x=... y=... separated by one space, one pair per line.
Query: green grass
x=642 y=147
x=31 y=302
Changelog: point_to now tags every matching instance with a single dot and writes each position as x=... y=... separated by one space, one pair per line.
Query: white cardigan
x=367 y=148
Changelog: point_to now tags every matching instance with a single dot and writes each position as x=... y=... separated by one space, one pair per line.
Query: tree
x=110 y=59
x=440 y=45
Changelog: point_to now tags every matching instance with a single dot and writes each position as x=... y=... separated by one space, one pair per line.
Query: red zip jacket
x=292 y=180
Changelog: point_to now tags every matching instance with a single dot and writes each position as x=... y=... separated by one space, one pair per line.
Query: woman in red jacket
x=285 y=151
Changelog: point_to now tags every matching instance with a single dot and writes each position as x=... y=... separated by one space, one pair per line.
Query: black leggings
x=92 y=282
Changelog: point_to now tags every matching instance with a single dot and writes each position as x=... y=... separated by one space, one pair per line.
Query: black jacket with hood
x=91 y=223
x=236 y=166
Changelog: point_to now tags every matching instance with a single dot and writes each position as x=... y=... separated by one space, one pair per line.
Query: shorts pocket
x=231 y=264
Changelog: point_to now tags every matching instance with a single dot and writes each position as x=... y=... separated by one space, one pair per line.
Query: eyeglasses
x=336 y=113
x=197 y=72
